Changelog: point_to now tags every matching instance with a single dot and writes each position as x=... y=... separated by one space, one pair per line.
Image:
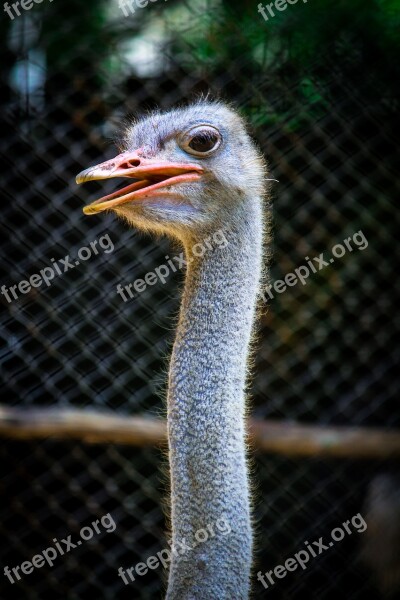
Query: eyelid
x=204 y=126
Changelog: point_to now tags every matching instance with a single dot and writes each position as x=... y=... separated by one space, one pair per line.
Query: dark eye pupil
x=203 y=142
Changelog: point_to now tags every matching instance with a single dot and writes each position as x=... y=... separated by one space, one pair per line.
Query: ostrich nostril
x=133 y=163
x=129 y=164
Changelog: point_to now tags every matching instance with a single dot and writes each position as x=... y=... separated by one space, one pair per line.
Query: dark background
x=319 y=86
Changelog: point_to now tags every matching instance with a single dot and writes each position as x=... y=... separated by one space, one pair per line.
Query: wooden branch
x=276 y=437
x=91 y=426
x=292 y=439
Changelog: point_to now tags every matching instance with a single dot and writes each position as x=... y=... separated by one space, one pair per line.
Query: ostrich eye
x=201 y=141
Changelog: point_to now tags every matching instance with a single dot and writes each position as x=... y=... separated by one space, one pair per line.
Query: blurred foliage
x=296 y=42
x=290 y=47
x=90 y=26
x=301 y=33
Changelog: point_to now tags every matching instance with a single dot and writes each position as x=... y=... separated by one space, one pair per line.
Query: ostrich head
x=192 y=168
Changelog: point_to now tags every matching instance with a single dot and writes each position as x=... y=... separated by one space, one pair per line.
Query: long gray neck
x=206 y=409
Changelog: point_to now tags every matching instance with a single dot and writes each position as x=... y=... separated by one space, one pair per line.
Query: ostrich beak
x=150 y=176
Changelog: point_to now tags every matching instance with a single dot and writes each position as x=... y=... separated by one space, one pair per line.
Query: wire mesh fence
x=326 y=353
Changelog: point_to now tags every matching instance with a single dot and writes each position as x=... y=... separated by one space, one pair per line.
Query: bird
x=197 y=171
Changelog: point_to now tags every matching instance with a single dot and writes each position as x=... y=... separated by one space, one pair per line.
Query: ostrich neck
x=206 y=408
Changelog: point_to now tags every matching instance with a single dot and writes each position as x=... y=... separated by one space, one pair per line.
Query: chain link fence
x=326 y=353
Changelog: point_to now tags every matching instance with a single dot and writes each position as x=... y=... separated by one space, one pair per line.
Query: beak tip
x=93 y=209
x=88 y=210
x=82 y=176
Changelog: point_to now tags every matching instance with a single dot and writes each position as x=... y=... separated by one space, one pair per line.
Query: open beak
x=151 y=175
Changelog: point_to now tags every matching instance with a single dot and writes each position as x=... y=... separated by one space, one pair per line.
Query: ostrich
x=197 y=171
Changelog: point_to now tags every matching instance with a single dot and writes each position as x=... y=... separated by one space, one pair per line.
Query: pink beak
x=151 y=175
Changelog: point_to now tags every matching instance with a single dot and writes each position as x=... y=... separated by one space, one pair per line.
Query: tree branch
x=278 y=437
